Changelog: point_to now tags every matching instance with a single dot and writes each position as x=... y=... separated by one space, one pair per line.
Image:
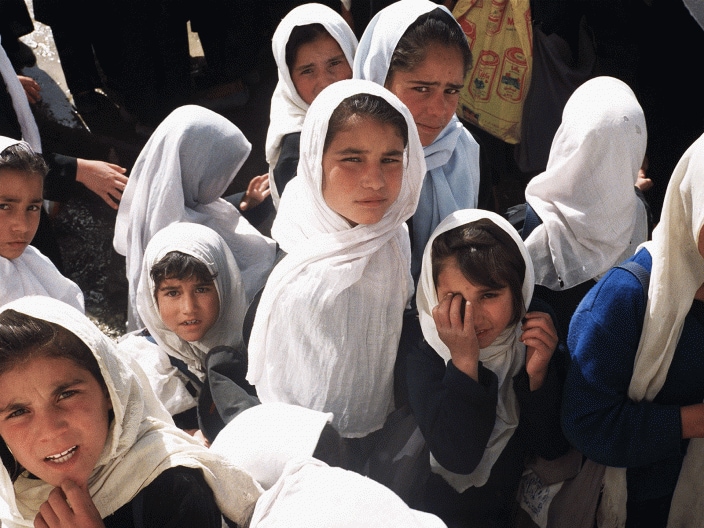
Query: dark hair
x=302 y=35
x=365 y=105
x=22 y=158
x=177 y=265
x=486 y=255
x=24 y=338
x=434 y=27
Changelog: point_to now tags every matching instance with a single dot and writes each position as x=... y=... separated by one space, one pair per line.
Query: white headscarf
x=288 y=110
x=180 y=175
x=312 y=494
x=327 y=328
x=32 y=273
x=677 y=274
x=30 y=131
x=142 y=442
x=592 y=217
x=504 y=357
x=452 y=160
x=207 y=246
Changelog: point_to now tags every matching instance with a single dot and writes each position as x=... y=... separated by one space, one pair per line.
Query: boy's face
x=188 y=307
x=21 y=196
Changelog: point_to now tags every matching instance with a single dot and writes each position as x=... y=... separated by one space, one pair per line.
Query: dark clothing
x=599 y=418
x=178 y=498
x=456 y=416
x=287 y=164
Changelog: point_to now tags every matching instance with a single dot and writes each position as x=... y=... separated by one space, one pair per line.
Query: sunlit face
x=188 y=307
x=318 y=64
x=431 y=90
x=492 y=308
x=54 y=419
x=363 y=170
x=20 y=205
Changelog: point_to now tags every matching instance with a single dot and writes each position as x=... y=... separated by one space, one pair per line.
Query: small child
x=23 y=269
x=482 y=381
x=85 y=443
x=192 y=300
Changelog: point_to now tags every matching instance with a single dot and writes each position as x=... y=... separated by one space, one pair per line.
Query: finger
x=441 y=313
x=457 y=305
x=117 y=168
x=78 y=497
x=39 y=521
x=266 y=193
x=243 y=205
x=468 y=318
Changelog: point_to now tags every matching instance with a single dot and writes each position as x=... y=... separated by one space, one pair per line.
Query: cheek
x=305 y=86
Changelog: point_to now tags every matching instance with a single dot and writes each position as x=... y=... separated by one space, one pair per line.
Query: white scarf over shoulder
x=504 y=357
x=142 y=440
x=327 y=328
x=288 y=110
x=33 y=273
x=592 y=218
x=180 y=176
x=677 y=274
x=452 y=160
x=207 y=246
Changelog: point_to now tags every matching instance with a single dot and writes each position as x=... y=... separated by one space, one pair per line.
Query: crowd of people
x=361 y=337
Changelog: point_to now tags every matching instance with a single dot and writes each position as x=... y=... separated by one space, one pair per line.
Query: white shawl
x=288 y=110
x=30 y=131
x=327 y=328
x=504 y=357
x=180 y=175
x=592 y=218
x=452 y=160
x=142 y=441
x=677 y=274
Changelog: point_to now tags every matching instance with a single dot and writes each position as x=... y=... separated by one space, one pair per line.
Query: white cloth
x=263 y=438
x=592 y=217
x=312 y=494
x=207 y=246
x=452 y=160
x=34 y=274
x=30 y=131
x=142 y=441
x=504 y=357
x=288 y=110
x=327 y=327
x=676 y=275
x=180 y=176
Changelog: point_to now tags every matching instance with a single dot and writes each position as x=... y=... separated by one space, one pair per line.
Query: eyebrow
x=428 y=83
x=14 y=405
x=352 y=150
x=14 y=199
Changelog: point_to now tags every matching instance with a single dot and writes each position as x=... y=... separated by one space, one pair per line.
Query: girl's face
x=431 y=90
x=188 y=307
x=493 y=308
x=20 y=205
x=363 y=170
x=54 y=419
x=318 y=64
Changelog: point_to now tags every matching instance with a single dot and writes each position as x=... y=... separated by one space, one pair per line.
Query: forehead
x=187 y=281
x=18 y=183
x=350 y=129
x=323 y=44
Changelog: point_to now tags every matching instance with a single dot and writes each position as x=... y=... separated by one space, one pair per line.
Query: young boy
x=23 y=269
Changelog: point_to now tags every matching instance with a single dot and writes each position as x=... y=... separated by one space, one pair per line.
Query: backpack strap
x=194 y=385
x=531 y=221
x=642 y=274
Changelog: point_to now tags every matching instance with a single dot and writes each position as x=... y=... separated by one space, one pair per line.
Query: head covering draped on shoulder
x=180 y=176
x=452 y=160
x=505 y=356
x=142 y=441
x=25 y=117
x=592 y=217
x=288 y=110
x=326 y=331
x=207 y=246
x=677 y=274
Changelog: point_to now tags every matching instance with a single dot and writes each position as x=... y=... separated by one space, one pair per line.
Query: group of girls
x=382 y=287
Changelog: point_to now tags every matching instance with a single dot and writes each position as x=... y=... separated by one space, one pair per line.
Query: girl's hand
x=69 y=506
x=458 y=334
x=107 y=180
x=540 y=337
x=257 y=191
x=31 y=89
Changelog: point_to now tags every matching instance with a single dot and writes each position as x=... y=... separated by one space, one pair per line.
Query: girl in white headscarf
x=416 y=49
x=592 y=217
x=313 y=47
x=634 y=392
x=180 y=175
x=24 y=270
x=483 y=387
x=326 y=331
x=86 y=444
x=191 y=299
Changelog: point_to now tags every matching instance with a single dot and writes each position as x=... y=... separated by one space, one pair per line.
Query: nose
x=49 y=424
x=437 y=105
x=373 y=177
x=188 y=303
x=326 y=78
x=20 y=223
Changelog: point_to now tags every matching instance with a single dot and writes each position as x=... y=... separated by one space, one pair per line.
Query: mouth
x=374 y=202
x=481 y=333
x=190 y=322
x=62 y=457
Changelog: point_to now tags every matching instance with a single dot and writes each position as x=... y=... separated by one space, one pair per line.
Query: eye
x=490 y=295
x=307 y=71
x=452 y=91
x=4 y=207
x=421 y=89
x=67 y=394
x=203 y=289
x=170 y=293
x=33 y=208
x=16 y=413
x=352 y=159
x=335 y=62
x=390 y=160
